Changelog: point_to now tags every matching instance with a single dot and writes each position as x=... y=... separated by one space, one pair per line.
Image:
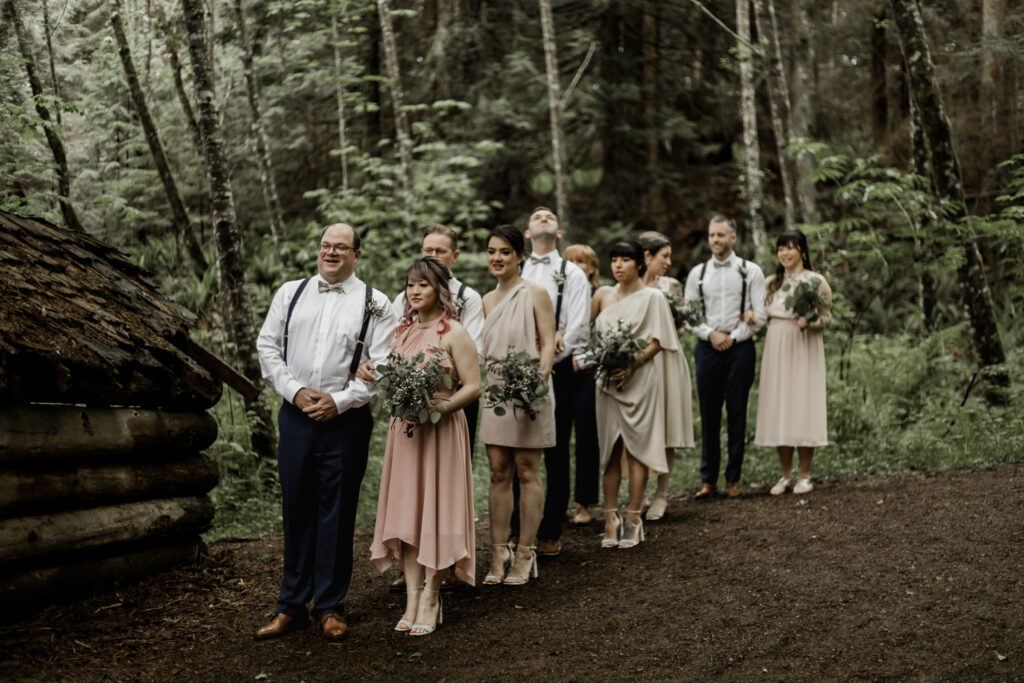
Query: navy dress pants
x=321 y=466
x=588 y=453
x=723 y=377
x=472 y=412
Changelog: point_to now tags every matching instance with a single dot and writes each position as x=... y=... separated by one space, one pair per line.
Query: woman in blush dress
x=642 y=410
x=518 y=315
x=791 y=411
x=425 y=507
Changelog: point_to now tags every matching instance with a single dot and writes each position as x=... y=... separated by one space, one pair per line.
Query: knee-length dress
x=791 y=399
x=512 y=323
x=654 y=409
x=426 y=483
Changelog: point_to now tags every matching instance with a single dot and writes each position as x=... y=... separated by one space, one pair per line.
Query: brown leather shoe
x=450 y=581
x=333 y=626
x=732 y=489
x=398 y=585
x=280 y=625
x=549 y=548
x=706 y=491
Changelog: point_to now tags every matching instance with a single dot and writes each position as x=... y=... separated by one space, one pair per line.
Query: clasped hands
x=318 y=405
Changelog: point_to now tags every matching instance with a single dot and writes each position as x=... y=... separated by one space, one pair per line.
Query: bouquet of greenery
x=684 y=313
x=805 y=298
x=520 y=385
x=407 y=385
x=612 y=350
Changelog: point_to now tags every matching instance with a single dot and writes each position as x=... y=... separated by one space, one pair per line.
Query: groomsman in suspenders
x=569 y=289
x=732 y=293
x=316 y=333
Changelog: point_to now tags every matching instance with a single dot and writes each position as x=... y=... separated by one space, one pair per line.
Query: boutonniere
x=460 y=306
x=559 y=278
x=375 y=309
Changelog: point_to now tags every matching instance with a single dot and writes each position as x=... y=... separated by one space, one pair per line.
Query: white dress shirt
x=723 y=286
x=575 y=315
x=322 y=337
x=472 y=316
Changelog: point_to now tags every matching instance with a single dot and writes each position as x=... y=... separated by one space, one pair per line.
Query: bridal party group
x=563 y=355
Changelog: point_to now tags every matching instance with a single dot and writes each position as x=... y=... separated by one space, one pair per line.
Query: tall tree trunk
x=60 y=157
x=179 y=213
x=992 y=94
x=946 y=176
x=339 y=94
x=804 y=95
x=923 y=255
x=751 y=147
x=47 y=32
x=547 y=23
x=778 y=100
x=879 y=89
x=171 y=40
x=237 y=307
x=267 y=180
x=397 y=100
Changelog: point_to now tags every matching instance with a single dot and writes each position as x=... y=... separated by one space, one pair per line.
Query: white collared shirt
x=472 y=316
x=322 y=337
x=575 y=315
x=723 y=287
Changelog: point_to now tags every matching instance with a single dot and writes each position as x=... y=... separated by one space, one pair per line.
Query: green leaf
x=435 y=417
x=447 y=380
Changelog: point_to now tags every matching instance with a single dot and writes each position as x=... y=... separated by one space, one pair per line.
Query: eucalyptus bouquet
x=684 y=313
x=520 y=385
x=613 y=349
x=407 y=386
x=805 y=298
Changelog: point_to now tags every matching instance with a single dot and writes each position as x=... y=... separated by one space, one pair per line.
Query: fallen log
x=28 y=491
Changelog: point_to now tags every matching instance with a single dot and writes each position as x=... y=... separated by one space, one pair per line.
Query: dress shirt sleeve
x=379 y=334
x=270 y=345
x=576 y=306
x=756 y=295
x=398 y=306
x=692 y=293
x=472 y=319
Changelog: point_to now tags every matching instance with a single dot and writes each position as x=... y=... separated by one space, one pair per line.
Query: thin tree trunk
x=267 y=180
x=752 y=150
x=879 y=89
x=339 y=94
x=804 y=95
x=778 y=100
x=60 y=158
x=49 y=52
x=237 y=307
x=179 y=213
x=923 y=256
x=171 y=40
x=547 y=23
x=992 y=95
x=397 y=100
x=948 y=183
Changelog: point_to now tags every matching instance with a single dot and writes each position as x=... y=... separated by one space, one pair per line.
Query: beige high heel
x=494 y=579
x=609 y=541
x=427 y=629
x=632 y=534
x=404 y=624
x=518 y=580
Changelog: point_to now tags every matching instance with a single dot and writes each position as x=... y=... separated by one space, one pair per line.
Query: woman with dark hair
x=518 y=315
x=642 y=410
x=791 y=397
x=425 y=507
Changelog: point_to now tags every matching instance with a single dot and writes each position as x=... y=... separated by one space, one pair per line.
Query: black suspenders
x=360 y=344
x=288 y=320
x=743 y=287
x=561 y=289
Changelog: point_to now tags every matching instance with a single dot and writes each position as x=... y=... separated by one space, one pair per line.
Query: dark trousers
x=472 y=412
x=321 y=466
x=556 y=459
x=723 y=376
x=588 y=454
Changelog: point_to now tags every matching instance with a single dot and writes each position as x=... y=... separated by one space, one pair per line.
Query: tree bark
x=67 y=210
x=923 y=255
x=752 y=150
x=547 y=23
x=879 y=89
x=948 y=183
x=778 y=100
x=804 y=95
x=339 y=94
x=993 y=95
x=237 y=307
x=47 y=32
x=404 y=139
x=174 y=57
x=179 y=213
x=267 y=180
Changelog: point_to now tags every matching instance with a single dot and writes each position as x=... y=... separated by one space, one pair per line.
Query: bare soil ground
x=909 y=577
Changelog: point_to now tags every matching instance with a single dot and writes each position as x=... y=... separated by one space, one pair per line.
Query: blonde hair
x=443 y=230
x=582 y=252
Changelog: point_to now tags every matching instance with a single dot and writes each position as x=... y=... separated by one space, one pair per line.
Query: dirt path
x=908 y=577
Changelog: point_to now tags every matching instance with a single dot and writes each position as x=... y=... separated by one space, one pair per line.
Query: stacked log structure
x=103 y=420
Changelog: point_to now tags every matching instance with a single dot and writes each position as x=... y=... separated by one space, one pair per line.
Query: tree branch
x=728 y=30
x=579 y=75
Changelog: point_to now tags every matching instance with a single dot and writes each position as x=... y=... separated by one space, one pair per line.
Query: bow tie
x=324 y=287
x=722 y=264
x=540 y=259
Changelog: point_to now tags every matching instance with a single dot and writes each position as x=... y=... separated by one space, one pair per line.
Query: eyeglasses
x=335 y=248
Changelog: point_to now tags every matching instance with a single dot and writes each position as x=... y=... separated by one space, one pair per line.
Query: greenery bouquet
x=407 y=385
x=612 y=350
x=805 y=298
x=521 y=385
x=684 y=313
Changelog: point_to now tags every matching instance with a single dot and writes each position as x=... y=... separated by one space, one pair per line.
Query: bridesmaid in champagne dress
x=791 y=397
x=518 y=314
x=425 y=508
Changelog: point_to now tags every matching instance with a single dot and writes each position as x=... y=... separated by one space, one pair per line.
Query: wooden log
x=24 y=539
x=52 y=433
x=28 y=491
x=25 y=592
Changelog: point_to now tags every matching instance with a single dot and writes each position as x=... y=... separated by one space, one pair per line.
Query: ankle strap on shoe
x=634 y=512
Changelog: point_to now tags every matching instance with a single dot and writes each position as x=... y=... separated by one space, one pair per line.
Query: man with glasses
x=316 y=333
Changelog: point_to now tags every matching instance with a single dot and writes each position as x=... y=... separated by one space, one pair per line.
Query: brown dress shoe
x=333 y=626
x=732 y=489
x=706 y=491
x=549 y=548
x=280 y=625
x=398 y=585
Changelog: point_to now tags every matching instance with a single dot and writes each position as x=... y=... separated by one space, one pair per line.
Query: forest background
x=213 y=140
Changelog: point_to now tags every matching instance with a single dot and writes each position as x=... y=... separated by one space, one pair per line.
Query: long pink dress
x=426 y=484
